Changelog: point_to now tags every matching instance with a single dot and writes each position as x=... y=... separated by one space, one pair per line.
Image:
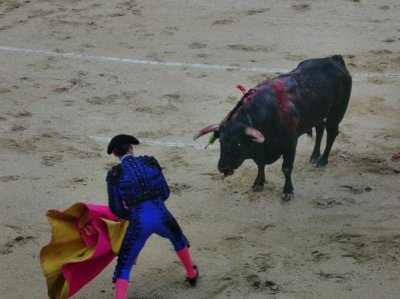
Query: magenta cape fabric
x=85 y=239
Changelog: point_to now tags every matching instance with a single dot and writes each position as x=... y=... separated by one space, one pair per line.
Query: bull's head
x=236 y=140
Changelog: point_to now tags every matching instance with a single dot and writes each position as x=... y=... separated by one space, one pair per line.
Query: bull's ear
x=206 y=130
x=258 y=136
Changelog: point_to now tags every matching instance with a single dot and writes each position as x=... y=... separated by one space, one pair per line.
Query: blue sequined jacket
x=135 y=180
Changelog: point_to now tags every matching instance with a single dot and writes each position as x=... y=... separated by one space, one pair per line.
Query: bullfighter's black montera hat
x=119 y=140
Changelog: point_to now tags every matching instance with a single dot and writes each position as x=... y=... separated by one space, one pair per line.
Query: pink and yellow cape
x=85 y=239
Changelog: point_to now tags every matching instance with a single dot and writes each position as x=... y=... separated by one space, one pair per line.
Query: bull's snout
x=222 y=166
x=225 y=170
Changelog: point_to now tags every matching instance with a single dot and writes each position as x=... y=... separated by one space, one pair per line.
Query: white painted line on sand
x=142 y=141
x=159 y=143
x=169 y=63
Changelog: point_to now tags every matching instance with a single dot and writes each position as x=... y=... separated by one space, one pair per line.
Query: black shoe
x=193 y=281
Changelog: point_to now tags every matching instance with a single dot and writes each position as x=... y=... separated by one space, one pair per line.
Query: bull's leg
x=316 y=154
x=260 y=179
x=332 y=130
x=332 y=122
x=287 y=166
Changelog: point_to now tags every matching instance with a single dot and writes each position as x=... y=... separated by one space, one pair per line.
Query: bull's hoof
x=321 y=163
x=287 y=196
x=258 y=188
x=314 y=160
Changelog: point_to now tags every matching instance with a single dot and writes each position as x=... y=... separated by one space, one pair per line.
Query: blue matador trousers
x=145 y=219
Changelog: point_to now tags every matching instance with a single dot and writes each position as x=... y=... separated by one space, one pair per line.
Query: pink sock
x=121 y=288
x=186 y=260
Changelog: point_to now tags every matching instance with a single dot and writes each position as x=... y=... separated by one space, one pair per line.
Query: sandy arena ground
x=339 y=237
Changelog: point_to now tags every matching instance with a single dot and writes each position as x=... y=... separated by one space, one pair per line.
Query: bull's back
x=322 y=87
x=316 y=88
x=321 y=74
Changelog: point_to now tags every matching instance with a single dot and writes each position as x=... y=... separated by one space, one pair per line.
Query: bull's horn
x=258 y=136
x=206 y=130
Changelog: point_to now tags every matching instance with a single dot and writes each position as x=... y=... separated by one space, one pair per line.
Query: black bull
x=269 y=118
